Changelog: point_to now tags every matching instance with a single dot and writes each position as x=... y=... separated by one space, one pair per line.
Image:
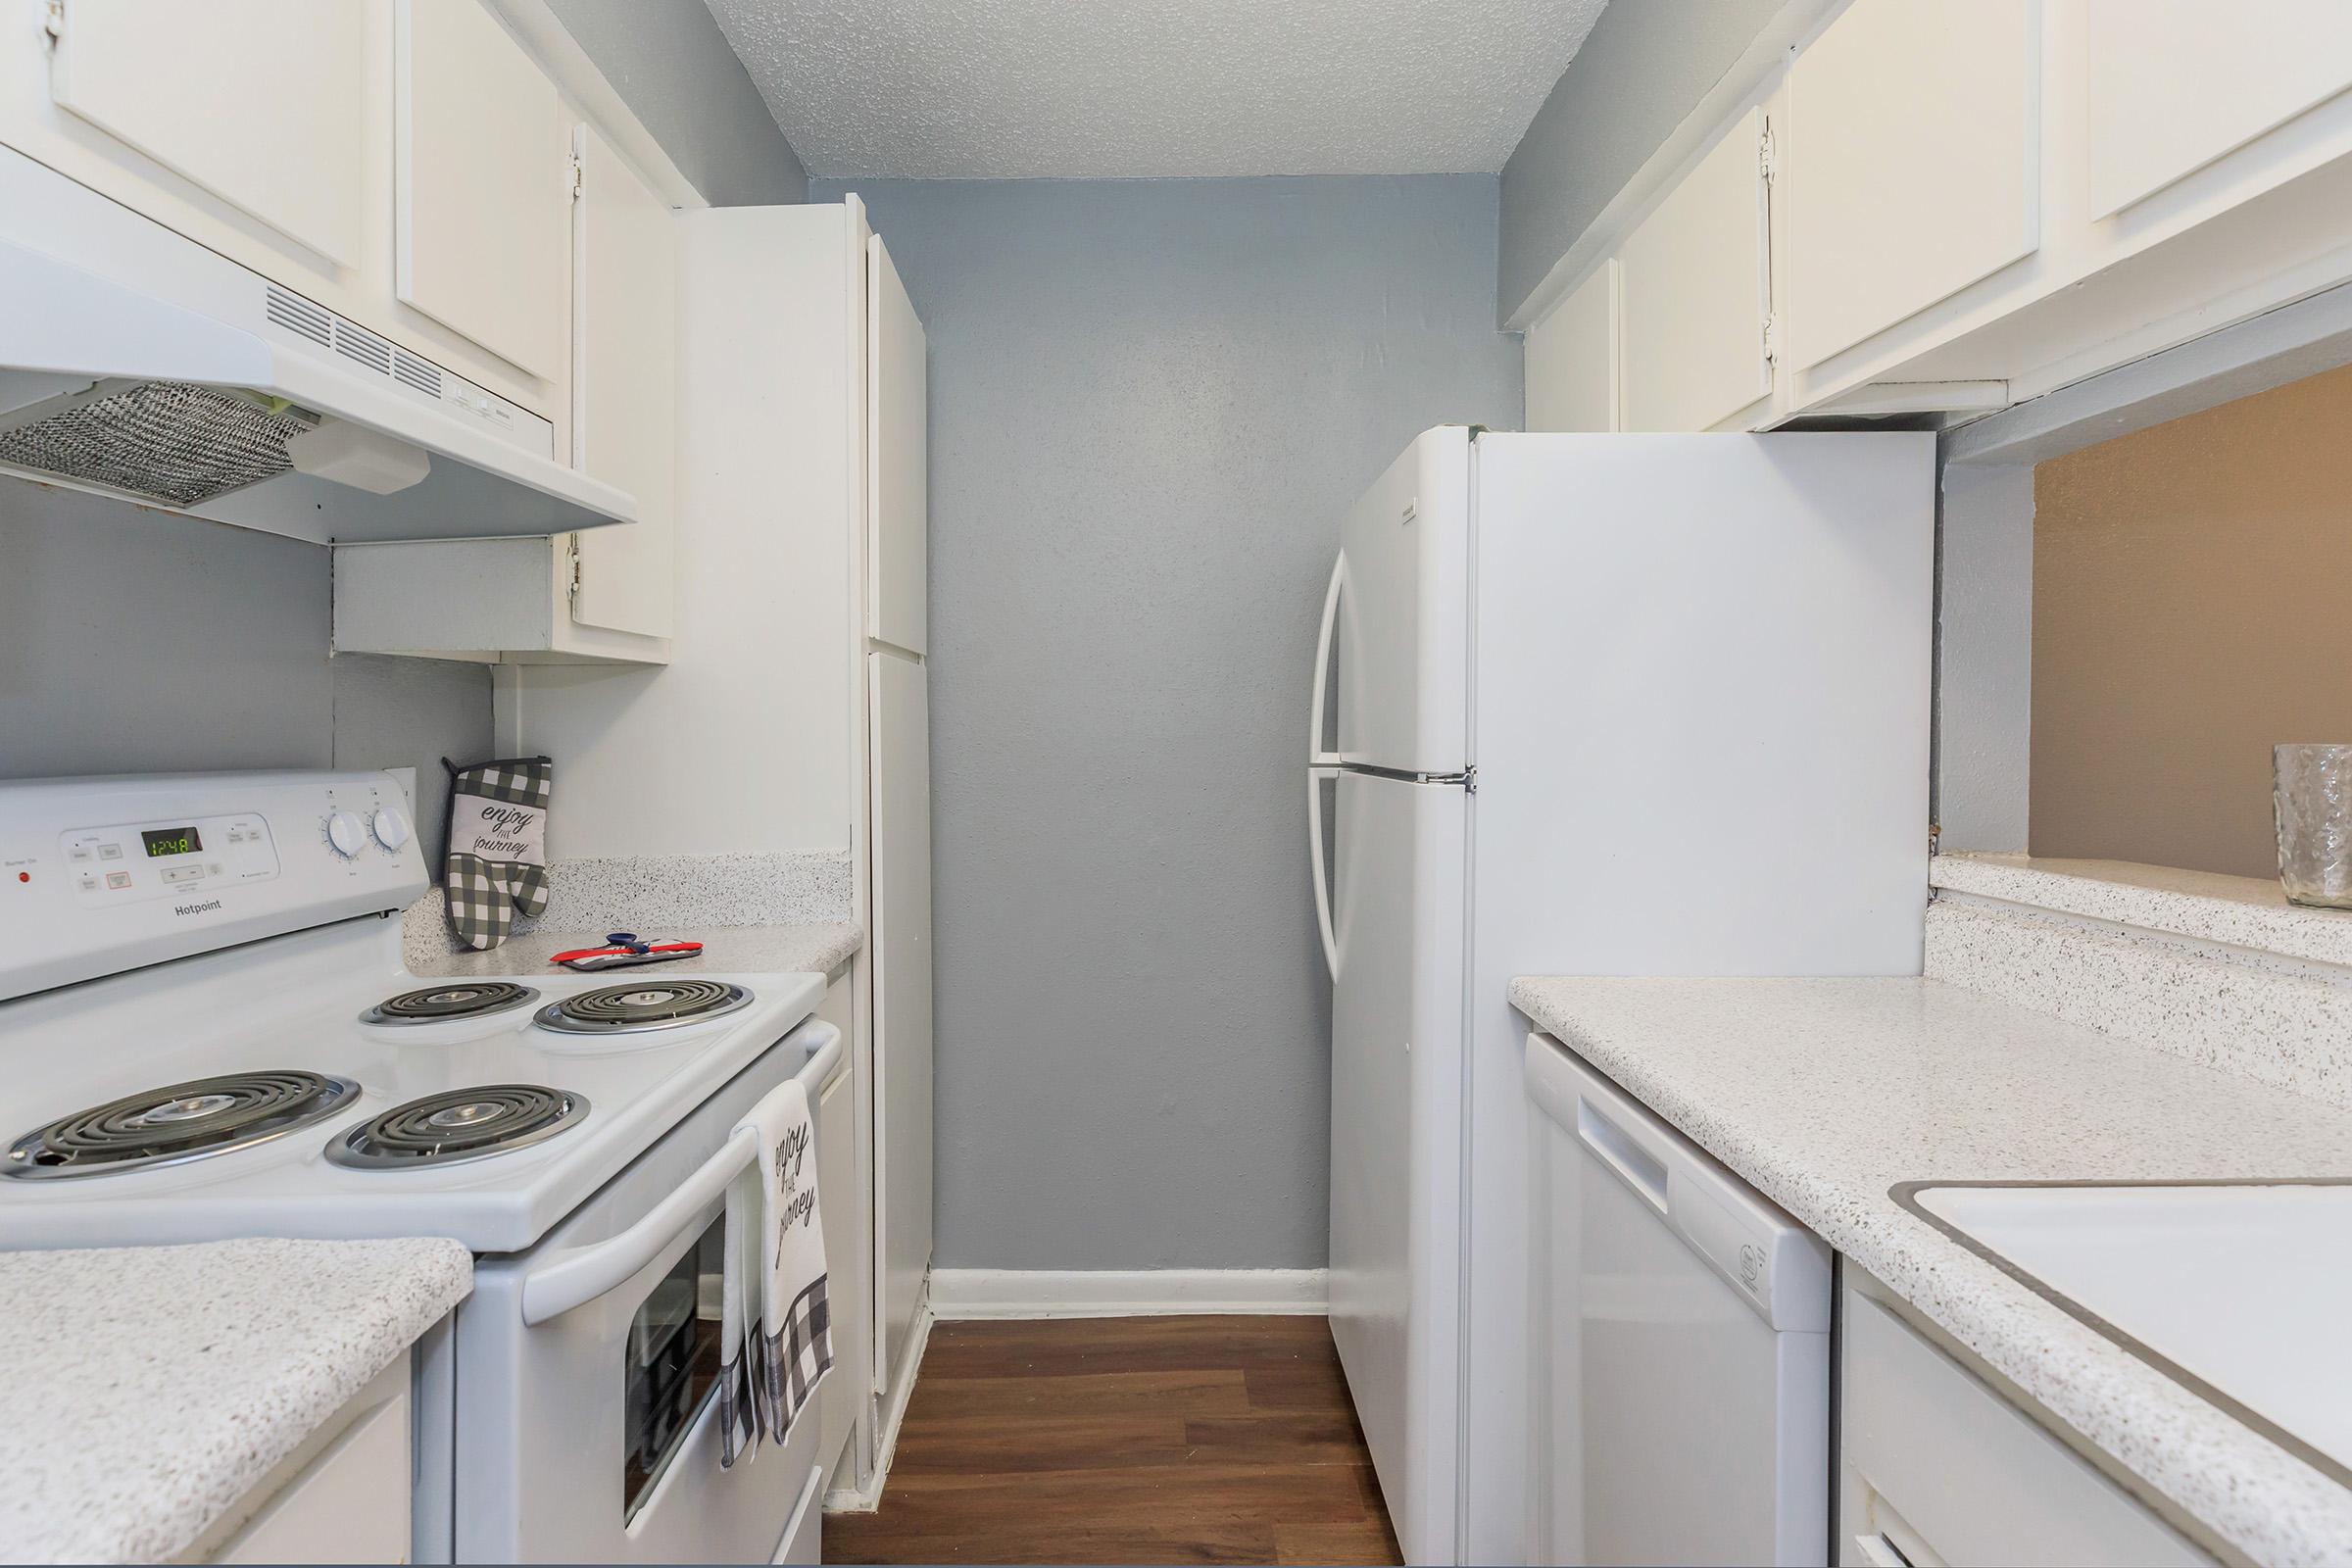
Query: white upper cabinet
x=1572 y=358
x=624 y=389
x=1696 y=291
x=898 y=487
x=2173 y=85
x=480 y=183
x=1910 y=163
x=1971 y=203
x=257 y=102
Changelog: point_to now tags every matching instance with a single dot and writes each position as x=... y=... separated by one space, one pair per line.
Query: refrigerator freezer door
x=1400 y=682
x=1395 y=1120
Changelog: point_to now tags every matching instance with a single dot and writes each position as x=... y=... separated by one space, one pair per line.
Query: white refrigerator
x=1582 y=704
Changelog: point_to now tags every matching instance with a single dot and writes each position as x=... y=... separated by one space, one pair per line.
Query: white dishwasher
x=1680 y=1342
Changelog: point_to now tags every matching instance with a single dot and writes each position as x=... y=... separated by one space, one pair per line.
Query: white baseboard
x=961 y=1293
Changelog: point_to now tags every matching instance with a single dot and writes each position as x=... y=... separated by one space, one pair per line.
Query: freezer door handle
x=1314 y=854
x=1316 y=755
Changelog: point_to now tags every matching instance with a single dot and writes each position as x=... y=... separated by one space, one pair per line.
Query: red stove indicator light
x=24 y=876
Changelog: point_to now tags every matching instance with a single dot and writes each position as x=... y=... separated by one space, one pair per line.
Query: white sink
x=2244 y=1289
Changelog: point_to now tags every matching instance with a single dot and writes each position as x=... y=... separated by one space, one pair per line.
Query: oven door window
x=669 y=1363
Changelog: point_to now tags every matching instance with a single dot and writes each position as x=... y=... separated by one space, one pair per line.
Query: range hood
x=168 y=374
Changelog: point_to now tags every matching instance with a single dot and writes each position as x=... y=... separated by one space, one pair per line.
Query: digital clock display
x=163 y=841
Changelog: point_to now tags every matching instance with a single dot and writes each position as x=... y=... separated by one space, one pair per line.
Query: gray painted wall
x=1644 y=66
x=133 y=642
x=1984 y=654
x=1151 y=401
x=677 y=74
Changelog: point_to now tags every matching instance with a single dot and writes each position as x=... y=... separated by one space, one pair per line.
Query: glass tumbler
x=2311 y=796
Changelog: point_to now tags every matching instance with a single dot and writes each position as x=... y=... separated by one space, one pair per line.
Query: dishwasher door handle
x=1609 y=1142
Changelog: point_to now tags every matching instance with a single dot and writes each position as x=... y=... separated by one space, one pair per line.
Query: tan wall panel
x=2193 y=606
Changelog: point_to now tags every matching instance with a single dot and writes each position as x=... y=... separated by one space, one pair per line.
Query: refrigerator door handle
x=1316 y=755
x=1315 y=854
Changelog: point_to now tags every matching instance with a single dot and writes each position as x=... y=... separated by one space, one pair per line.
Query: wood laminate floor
x=1139 y=1439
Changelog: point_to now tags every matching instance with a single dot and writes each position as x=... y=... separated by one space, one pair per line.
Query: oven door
x=587 y=1427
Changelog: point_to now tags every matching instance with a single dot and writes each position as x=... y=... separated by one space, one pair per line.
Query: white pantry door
x=898 y=489
x=899 y=719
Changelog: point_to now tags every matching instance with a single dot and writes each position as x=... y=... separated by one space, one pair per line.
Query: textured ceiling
x=1075 y=89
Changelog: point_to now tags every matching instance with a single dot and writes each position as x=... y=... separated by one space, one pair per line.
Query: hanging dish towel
x=776 y=1331
x=496 y=860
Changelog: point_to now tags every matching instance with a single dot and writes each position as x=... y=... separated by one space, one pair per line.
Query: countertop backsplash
x=2222 y=970
x=645 y=894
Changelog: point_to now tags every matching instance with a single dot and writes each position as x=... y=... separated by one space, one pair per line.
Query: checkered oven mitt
x=497 y=847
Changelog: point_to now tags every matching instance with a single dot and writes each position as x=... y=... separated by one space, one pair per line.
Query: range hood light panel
x=352 y=455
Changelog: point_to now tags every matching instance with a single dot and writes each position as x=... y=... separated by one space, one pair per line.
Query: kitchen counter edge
x=197 y=1370
x=1881 y=1081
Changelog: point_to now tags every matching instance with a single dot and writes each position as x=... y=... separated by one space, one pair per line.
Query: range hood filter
x=172 y=442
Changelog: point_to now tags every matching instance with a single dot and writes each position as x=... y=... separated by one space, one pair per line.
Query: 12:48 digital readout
x=162 y=841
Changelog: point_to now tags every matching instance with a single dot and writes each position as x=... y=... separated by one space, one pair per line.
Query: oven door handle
x=578 y=1275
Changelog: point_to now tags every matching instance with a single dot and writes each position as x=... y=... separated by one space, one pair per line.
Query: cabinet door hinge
x=53 y=20
x=1767 y=164
x=1772 y=338
x=572 y=543
x=575 y=180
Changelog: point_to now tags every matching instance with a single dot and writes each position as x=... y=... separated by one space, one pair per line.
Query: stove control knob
x=344 y=835
x=391 y=829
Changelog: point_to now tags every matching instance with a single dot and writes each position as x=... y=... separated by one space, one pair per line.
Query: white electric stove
x=206 y=1032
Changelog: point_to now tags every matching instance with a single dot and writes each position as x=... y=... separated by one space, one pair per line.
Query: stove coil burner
x=458 y=1125
x=194 y=1120
x=645 y=1005
x=474 y=998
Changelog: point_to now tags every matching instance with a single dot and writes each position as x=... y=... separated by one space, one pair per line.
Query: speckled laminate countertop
x=818 y=948
x=1826 y=1092
x=149 y=1388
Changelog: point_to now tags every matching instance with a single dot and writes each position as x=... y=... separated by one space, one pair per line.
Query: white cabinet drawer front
x=481 y=215
x=1978 y=1479
x=1694 y=290
x=2173 y=85
x=1911 y=163
x=259 y=102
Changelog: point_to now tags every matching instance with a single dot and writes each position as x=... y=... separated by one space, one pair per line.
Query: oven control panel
x=167 y=860
x=101 y=875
